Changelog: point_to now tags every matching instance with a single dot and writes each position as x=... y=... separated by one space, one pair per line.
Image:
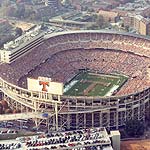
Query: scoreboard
x=44 y=84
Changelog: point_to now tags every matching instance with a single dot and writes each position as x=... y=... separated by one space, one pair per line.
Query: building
x=128 y=20
x=146 y=12
x=70 y=23
x=137 y=22
x=143 y=27
x=109 y=16
x=20 y=46
x=115 y=138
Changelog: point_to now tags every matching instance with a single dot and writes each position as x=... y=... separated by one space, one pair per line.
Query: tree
x=127 y=28
x=5 y=3
x=45 y=18
x=94 y=17
x=84 y=8
x=66 y=2
x=134 y=127
x=18 y=31
x=92 y=27
x=20 y=11
x=90 y=10
x=100 y=21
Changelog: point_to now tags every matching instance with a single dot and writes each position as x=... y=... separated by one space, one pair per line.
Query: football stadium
x=106 y=78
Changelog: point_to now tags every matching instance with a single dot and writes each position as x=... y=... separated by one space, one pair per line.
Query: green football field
x=92 y=84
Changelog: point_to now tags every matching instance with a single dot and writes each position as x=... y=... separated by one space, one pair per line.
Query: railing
x=24 y=94
x=6 y=117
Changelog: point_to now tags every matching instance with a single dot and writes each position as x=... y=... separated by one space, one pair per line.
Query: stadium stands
x=65 y=64
x=51 y=51
x=63 y=54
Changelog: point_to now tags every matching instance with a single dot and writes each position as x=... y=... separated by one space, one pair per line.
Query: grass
x=104 y=83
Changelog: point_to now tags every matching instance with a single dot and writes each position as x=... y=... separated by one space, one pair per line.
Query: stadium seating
x=64 y=65
x=61 y=56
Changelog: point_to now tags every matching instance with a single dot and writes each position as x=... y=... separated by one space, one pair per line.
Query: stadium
x=106 y=77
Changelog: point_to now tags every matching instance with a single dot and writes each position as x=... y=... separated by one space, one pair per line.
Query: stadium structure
x=65 y=56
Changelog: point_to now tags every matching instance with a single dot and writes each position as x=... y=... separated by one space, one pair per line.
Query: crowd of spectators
x=61 y=56
x=64 y=65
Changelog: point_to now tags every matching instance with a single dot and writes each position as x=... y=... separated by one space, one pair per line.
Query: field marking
x=89 y=88
x=107 y=84
x=97 y=82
